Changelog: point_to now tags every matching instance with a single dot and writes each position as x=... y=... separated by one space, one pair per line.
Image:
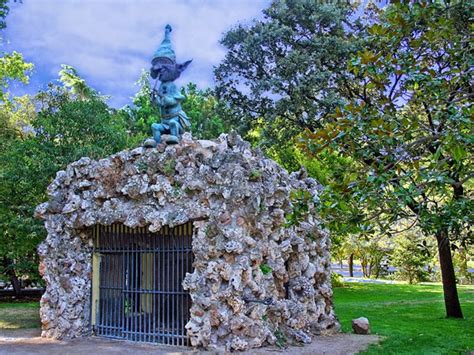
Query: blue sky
x=109 y=42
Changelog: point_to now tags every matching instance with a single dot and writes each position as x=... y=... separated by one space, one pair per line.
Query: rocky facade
x=245 y=249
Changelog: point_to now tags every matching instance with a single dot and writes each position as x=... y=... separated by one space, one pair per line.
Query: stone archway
x=239 y=203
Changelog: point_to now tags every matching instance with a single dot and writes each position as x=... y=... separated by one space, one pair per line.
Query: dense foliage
x=283 y=73
x=408 y=125
x=407 y=122
x=379 y=111
x=204 y=112
x=411 y=258
x=48 y=131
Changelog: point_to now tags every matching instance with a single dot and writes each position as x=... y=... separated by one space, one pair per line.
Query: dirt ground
x=26 y=341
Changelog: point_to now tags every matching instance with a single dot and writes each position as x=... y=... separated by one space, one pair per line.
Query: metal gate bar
x=140 y=274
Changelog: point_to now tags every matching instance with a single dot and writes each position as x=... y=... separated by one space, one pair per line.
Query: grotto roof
x=171 y=185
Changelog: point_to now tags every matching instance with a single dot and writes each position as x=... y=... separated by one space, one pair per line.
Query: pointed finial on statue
x=168 y=30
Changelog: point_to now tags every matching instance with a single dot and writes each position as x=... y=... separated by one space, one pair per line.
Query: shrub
x=336 y=280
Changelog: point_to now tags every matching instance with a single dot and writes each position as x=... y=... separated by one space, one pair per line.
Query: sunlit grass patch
x=410 y=317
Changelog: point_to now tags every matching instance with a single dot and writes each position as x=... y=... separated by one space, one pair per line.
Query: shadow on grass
x=19 y=315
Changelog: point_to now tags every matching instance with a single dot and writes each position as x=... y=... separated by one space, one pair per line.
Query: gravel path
x=26 y=341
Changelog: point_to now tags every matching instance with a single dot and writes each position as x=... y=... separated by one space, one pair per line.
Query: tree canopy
x=408 y=124
x=379 y=107
x=62 y=126
x=283 y=73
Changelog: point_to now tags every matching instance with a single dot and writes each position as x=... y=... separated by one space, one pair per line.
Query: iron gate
x=139 y=296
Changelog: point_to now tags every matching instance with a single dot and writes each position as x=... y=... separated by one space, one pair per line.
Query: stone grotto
x=203 y=243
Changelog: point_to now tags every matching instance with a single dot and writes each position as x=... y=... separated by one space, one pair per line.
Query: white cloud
x=109 y=42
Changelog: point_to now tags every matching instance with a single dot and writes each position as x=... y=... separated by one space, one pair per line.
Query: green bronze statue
x=174 y=120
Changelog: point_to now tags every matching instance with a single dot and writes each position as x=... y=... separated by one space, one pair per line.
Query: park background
x=374 y=100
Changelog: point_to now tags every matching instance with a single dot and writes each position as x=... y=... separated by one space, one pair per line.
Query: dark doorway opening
x=138 y=293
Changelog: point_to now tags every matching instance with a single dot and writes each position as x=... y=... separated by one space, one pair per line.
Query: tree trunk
x=10 y=272
x=15 y=283
x=351 y=265
x=377 y=271
x=363 y=265
x=410 y=273
x=451 y=299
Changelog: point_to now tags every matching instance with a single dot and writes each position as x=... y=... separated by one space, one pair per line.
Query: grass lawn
x=17 y=315
x=410 y=317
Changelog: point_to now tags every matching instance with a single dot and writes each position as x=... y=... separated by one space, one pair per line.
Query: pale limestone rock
x=361 y=325
x=240 y=225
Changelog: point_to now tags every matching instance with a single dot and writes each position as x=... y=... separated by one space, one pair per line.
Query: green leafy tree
x=283 y=73
x=12 y=65
x=397 y=112
x=15 y=117
x=4 y=9
x=204 y=112
x=17 y=255
x=77 y=86
x=21 y=187
x=463 y=254
x=411 y=256
x=77 y=128
x=371 y=250
x=143 y=113
x=66 y=127
x=408 y=125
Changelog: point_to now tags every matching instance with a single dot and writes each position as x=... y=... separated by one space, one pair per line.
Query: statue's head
x=163 y=64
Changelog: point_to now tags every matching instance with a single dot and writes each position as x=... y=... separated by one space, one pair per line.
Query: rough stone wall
x=244 y=248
